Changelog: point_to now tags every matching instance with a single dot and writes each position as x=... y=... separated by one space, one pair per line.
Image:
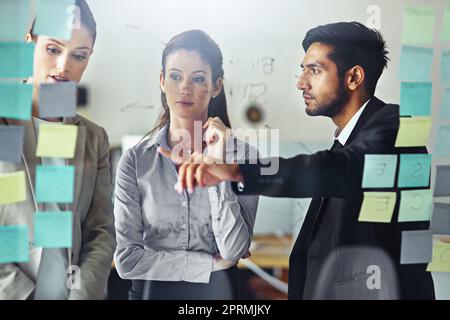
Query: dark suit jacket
x=335 y=256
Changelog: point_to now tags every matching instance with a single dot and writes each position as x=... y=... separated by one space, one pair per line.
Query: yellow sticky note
x=377 y=207
x=12 y=187
x=57 y=140
x=413 y=132
x=440 y=261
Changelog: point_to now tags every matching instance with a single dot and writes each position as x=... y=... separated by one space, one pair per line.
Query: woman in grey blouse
x=181 y=245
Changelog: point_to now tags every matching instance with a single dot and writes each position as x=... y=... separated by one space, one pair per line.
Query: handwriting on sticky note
x=12 y=187
x=53 y=229
x=410 y=70
x=14 y=243
x=414 y=170
x=415 y=205
x=54 y=183
x=413 y=132
x=379 y=170
x=377 y=207
x=15 y=100
x=415 y=99
x=441 y=255
x=57 y=140
x=418 y=25
x=56 y=19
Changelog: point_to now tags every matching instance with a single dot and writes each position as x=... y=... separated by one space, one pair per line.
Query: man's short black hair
x=353 y=44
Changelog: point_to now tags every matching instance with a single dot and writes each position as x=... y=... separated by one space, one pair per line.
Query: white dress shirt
x=347 y=131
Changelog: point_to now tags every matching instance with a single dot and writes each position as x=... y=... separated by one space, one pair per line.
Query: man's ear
x=28 y=38
x=355 y=77
x=218 y=87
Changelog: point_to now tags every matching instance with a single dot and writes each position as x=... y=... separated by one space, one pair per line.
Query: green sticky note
x=418 y=25
x=414 y=170
x=379 y=170
x=416 y=205
x=409 y=69
x=55 y=183
x=442 y=147
x=445 y=105
x=14 y=244
x=16 y=59
x=377 y=207
x=415 y=99
x=56 y=18
x=16 y=100
x=53 y=229
x=445 y=34
x=440 y=261
x=445 y=67
x=57 y=140
x=413 y=132
x=14 y=19
x=12 y=187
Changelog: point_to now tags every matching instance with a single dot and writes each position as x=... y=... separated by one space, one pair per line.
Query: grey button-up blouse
x=164 y=235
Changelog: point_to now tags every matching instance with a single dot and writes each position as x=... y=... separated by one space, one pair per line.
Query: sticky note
x=410 y=69
x=57 y=140
x=414 y=170
x=418 y=25
x=377 y=207
x=415 y=205
x=57 y=99
x=11 y=142
x=379 y=170
x=442 y=147
x=415 y=99
x=445 y=33
x=56 y=18
x=440 y=261
x=17 y=59
x=416 y=247
x=14 y=19
x=440 y=220
x=53 y=229
x=14 y=243
x=445 y=104
x=413 y=132
x=442 y=184
x=12 y=187
x=445 y=67
x=16 y=100
x=55 y=183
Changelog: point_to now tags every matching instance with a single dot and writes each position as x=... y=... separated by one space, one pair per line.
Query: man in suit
x=335 y=256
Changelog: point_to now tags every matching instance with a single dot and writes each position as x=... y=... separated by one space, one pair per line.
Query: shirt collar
x=159 y=138
x=347 y=131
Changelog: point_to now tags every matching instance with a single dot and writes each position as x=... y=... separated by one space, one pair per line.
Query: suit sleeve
x=336 y=173
x=98 y=236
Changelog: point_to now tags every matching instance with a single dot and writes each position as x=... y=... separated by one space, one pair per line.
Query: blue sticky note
x=415 y=99
x=442 y=147
x=414 y=170
x=55 y=183
x=415 y=63
x=11 y=142
x=415 y=205
x=14 y=244
x=14 y=19
x=379 y=170
x=53 y=229
x=445 y=105
x=15 y=100
x=16 y=59
x=445 y=67
x=56 y=18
